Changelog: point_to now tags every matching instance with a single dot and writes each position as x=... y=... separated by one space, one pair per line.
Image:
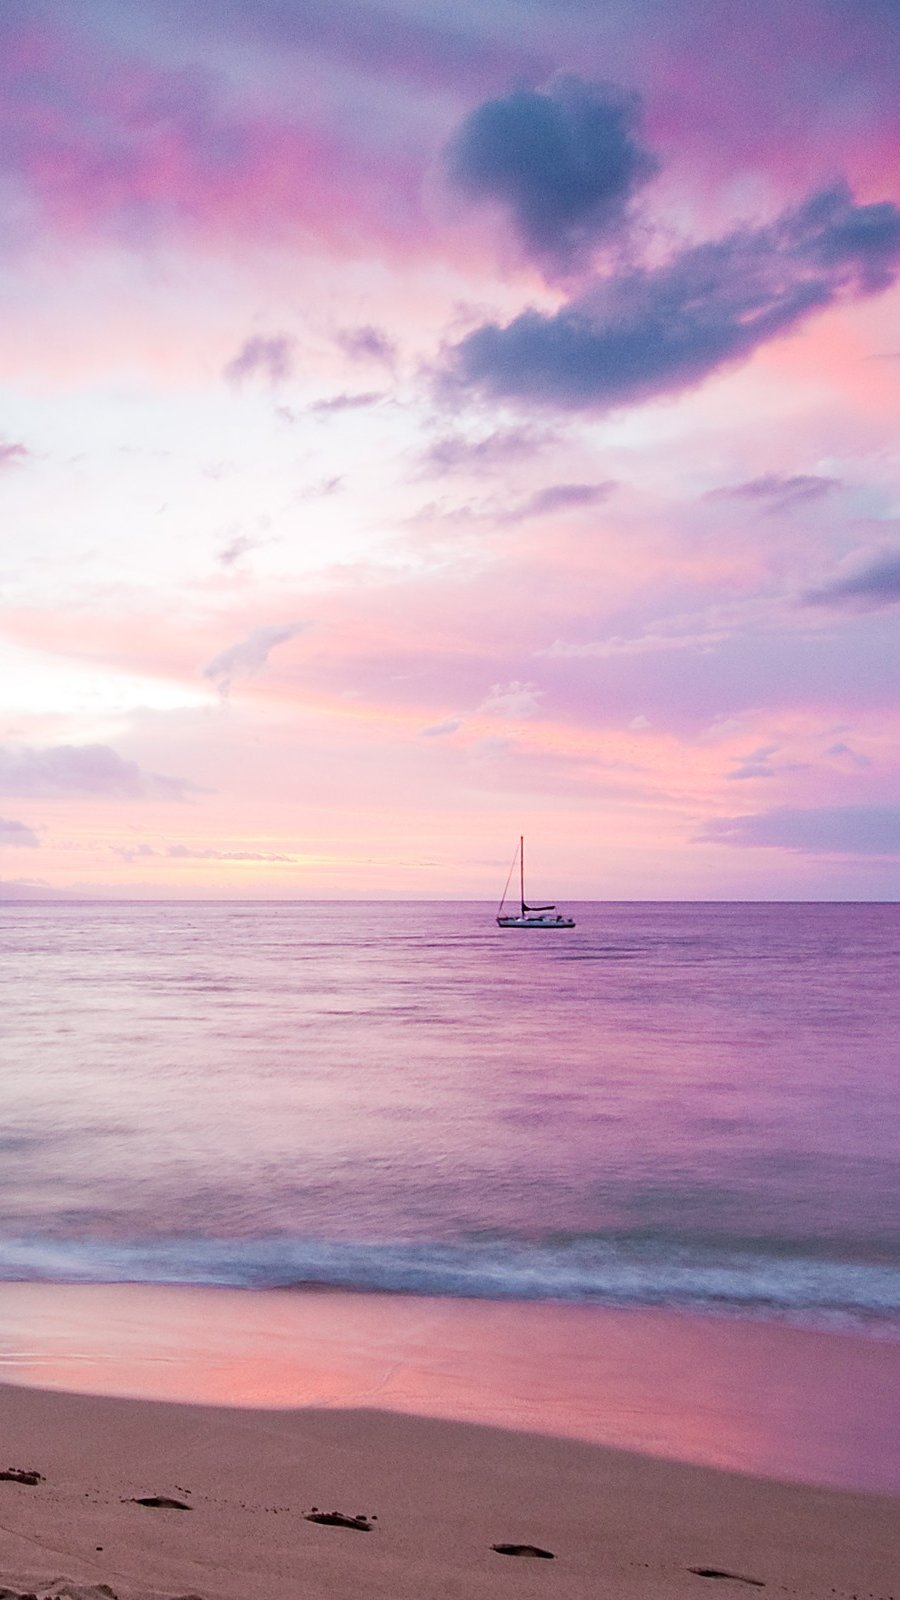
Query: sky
x=421 y=426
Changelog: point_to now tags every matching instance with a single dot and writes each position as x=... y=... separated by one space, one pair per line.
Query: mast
x=522 y=872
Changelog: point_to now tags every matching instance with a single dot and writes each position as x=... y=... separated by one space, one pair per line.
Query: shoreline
x=423 y=1502
x=806 y=1407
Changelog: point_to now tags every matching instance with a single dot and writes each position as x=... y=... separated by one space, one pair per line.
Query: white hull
x=535 y=922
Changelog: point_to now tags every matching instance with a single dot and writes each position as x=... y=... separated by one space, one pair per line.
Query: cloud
x=564 y=160
x=870 y=587
x=824 y=830
x=16 y=889
x=512 y=700
x=101 y=141
x=346 y=402
x=133 y=852
x=56 y=771
x=436 y=53
x=855 y=756
x=183 y=852
x=323 y=488
x=777 y=493
x=758 y=764
x=647 y=331
x=367 y=344
x=453 y=452
x=439 y=729
x=271 y=358
x=18 y=833
x=559 y=497
x=240 y=545
x=11 y=454
x=248 y=657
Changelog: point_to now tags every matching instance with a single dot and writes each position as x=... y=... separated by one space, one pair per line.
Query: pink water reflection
x=755 y=1397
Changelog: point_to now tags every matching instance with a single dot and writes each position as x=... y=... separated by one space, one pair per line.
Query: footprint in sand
x=339 y=1519
x=735 y=1577
x=18 y=1475
x=163 y=1501
x=523 y=1550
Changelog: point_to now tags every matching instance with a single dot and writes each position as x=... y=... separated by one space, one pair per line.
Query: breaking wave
x=620 y=1272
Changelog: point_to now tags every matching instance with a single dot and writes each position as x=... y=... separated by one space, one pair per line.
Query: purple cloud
x=559 y=497
x=135 y=852
x=644 y=332
x=843 y=749
x=564 y=160
x=18 y=833
x=411 y=47
x=11 y=453
x=367 y=344
x=271 y=358
x=758 y=764
x=454 y=452
x=871 y=587
x=15 y=889
x=248 y=657
x=240 y=545
x=81 y=770
x=346 y=402
x=823 y=830
x=778 y=493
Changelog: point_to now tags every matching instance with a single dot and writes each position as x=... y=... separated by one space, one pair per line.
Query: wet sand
x=754 y=1397
x=359 y=1451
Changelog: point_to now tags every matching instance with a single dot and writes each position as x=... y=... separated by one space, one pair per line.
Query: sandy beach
x=436 y=1431
x=425 y=1504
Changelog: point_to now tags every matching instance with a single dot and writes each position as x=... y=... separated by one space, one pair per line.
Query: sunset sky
x=421 y=425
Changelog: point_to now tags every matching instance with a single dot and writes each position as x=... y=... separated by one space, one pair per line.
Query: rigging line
x=508 y=877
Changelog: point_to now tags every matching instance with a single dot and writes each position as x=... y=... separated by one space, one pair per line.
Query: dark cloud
x=367 y=344
x=271 y=358
x=11 y=453
x=57 y=771
x=564 y=160
x=823 y=830
x=559 y=497
x=651 y=331
x=346 y=402
x=869 y=588
x=248 y=657
x=777 y=493
x=17 y=833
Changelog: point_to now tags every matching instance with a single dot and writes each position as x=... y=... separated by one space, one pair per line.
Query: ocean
x=692 y=1106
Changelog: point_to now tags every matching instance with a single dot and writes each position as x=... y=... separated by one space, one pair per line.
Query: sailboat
x=528 y=916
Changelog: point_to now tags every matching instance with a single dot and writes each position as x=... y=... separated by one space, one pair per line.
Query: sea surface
x=692 y=1106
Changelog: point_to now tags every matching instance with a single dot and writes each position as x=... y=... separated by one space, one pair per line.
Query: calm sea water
x=687 y=1105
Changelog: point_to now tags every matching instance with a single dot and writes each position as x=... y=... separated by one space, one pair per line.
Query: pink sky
x=414 y=432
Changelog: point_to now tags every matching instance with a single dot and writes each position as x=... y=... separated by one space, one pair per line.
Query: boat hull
x=535 y=922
